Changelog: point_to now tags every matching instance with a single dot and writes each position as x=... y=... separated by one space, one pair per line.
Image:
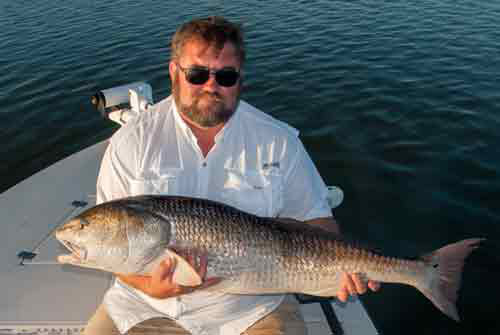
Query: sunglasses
x=199 y=75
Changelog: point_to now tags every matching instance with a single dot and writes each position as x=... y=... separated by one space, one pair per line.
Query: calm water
x=398 y=103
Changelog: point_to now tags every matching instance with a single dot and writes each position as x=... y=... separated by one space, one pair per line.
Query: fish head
x=117 y=237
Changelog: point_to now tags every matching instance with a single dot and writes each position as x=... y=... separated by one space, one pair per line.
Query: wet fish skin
x=252 y=255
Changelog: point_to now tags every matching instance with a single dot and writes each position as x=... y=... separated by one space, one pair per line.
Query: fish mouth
x=78 y=253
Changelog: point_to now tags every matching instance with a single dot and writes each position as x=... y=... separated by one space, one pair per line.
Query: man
x=204 y=142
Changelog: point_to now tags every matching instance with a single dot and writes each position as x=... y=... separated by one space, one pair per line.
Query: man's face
x=208 y=104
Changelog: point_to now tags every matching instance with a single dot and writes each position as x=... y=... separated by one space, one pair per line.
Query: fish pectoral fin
x=184 y=273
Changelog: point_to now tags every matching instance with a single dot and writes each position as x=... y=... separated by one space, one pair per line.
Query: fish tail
x=442 y=285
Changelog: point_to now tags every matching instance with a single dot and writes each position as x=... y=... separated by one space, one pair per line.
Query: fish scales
x=258 y=254
x=234 y=242
x=251 y=254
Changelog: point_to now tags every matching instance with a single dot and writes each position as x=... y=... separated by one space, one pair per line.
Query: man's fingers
x=374 y=285
x=359 y=284
x=346 y=288
x=203 y=266
x=192 y=259
x=349 y=284
x=198 y=262
x=343 y=295
x=353 y=284
x=165 y=269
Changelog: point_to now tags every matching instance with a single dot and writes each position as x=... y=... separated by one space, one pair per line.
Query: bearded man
x=203 y=141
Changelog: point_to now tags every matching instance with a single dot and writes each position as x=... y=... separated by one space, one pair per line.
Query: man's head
x=207 y=98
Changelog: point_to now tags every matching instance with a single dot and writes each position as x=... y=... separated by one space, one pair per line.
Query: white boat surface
x=39 y=296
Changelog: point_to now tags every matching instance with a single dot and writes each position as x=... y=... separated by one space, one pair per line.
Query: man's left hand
x=352 y=285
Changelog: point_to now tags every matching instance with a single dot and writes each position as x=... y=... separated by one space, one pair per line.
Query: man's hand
x=352 y=284
x=160 y=283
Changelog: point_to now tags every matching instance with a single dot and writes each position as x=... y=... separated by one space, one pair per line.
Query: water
x=397 y=103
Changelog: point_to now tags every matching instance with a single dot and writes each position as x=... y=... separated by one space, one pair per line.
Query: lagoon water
x=397 y=102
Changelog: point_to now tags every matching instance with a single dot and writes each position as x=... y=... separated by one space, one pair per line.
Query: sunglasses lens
x=197 y=76
x=227 y=78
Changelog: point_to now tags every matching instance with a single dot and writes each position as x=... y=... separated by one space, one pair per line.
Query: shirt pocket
x=166 y=183
x=255 y=192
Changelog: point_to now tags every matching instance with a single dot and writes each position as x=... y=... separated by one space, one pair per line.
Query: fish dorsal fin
x=184 y=273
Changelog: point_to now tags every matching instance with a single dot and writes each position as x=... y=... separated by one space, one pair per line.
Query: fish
x=249 y=254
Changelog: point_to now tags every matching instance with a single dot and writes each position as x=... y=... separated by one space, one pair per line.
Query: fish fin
x=447 y=262
x=184 y=273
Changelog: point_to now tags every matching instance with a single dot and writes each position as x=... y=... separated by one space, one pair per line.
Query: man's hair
x=213 y=30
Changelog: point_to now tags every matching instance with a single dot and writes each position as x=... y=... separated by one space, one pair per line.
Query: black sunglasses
x=199 y=75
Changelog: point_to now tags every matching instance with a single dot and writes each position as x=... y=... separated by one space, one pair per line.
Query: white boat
x=39 y=296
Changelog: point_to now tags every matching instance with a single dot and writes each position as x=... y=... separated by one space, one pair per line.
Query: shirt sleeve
x=114 y=177
x=305 y=195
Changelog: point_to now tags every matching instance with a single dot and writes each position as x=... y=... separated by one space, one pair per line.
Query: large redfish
x=251 y=255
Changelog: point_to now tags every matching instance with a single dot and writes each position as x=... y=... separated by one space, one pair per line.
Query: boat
x=40 y=296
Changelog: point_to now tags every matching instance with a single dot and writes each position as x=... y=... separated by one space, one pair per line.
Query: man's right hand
x=160 y=283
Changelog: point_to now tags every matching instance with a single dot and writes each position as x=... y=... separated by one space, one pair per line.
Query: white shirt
x=257 y=164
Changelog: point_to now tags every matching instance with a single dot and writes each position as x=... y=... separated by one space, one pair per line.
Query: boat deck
x=40 y=296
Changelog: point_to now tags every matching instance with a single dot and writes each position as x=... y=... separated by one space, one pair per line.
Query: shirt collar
x=179 y=121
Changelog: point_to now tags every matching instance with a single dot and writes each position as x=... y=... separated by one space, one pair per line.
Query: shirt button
x=204 y=164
